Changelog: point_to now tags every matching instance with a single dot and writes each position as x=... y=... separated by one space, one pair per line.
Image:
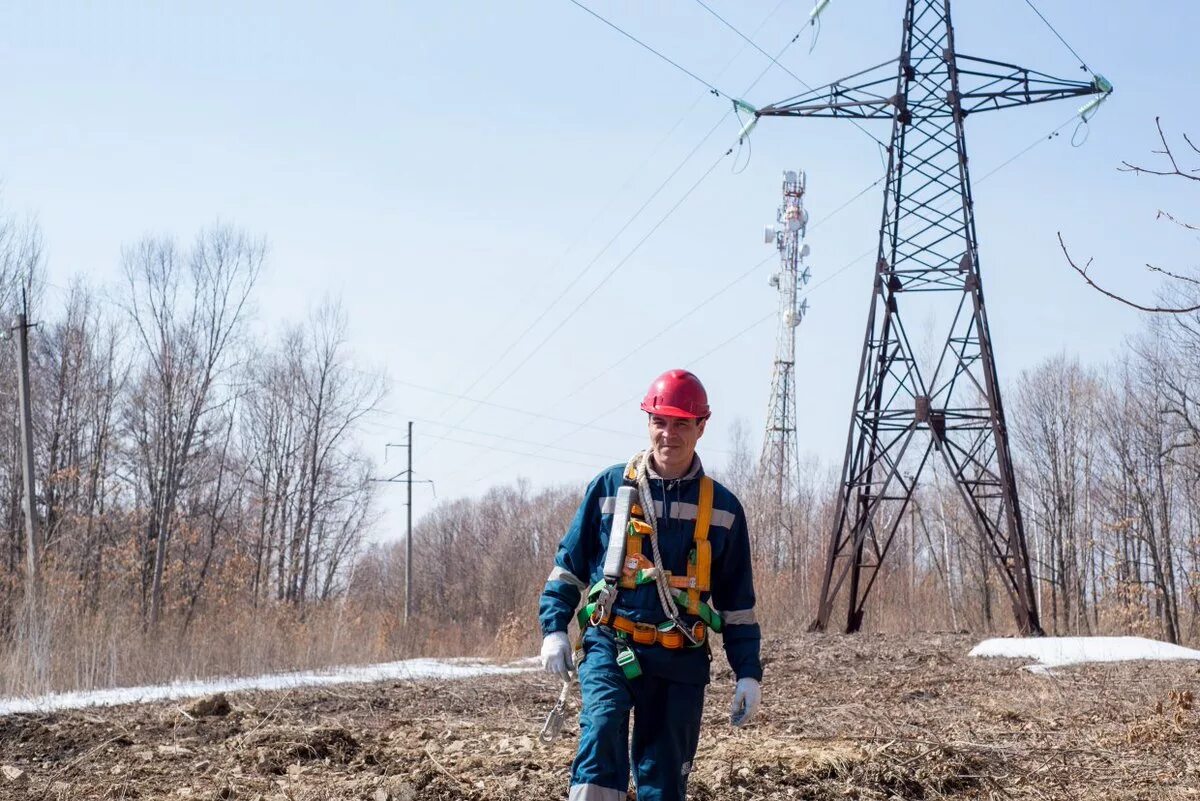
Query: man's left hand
x=746 y=697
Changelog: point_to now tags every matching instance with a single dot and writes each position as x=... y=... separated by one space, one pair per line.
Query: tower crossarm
x=987 y=85
x=870 y=94
x=984 y=85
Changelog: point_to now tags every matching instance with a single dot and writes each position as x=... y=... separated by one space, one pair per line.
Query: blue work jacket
x=579 y=564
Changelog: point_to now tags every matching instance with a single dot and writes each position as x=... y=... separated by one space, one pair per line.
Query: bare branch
x=1191 y=144
x=1180 y=223
x=1170 y=274
x=1083 y=272
x=1166 y=151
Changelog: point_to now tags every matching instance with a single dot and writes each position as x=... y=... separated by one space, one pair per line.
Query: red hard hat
x=676 y=393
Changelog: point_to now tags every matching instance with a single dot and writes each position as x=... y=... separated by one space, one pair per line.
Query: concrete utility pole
x=32 y=544
x=39 y=644
x=406 y=477
x=408 y=534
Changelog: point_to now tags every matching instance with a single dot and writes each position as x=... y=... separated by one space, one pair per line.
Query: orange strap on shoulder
x=634 y=558
x=699 y=569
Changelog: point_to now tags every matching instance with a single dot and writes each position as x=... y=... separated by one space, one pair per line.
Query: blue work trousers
x=666 y=730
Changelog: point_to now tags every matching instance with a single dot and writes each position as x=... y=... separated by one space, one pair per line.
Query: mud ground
x=862 y=717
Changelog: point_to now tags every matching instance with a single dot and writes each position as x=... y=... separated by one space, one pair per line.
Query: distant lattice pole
x=778 y=464
x=928 y=263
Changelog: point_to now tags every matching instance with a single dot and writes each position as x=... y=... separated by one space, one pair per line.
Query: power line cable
x=571 y=314
x=477 y=432
x=500 y=406
x=547 y=308
x=636 y=172
x=604 y=280
x=720 y=121
x=625 y=402
x=1053 y=133
x=806 y=294
x=775 y=60
x=1082 y=64
x=715 y=295
x=611 y=241
x=665 y=329
x=720 y=292
x=579 y=426
x=714 y=90
x=534 y=455
x=701 y=305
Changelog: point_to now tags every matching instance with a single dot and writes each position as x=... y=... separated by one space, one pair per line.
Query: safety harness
x=627 y=567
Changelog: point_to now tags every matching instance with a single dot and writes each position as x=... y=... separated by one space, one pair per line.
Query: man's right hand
x=556 y=654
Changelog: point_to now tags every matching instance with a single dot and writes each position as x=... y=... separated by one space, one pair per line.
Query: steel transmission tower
x=908 y=408
x=779 y=461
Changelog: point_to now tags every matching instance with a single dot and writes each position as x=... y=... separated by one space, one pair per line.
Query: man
x=647 y=613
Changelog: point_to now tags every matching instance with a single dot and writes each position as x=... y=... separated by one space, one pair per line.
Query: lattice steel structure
x=778 y=464
x=928 y=262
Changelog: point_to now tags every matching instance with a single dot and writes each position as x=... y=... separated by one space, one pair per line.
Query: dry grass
x=231 y=637
x=875 y=718
x=114 y=649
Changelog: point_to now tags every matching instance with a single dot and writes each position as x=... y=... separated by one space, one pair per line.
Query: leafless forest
x=203 y=499
x=199 y=495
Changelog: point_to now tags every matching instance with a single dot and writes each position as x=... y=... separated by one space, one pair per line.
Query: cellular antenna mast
x=928 y=264
x=778 y=464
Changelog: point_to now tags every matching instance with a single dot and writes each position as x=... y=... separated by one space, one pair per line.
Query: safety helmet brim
x=672 y=411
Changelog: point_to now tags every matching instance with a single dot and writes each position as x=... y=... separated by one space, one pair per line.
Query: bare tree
x=187 y=311
x=1056 y=440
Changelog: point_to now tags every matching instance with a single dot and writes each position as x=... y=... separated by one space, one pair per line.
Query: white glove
x=556 y=654
x=746 y=697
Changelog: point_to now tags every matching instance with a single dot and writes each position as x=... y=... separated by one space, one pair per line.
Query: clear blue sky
x=431 y=163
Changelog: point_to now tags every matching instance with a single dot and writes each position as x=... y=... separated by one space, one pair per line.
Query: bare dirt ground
x=862 y=717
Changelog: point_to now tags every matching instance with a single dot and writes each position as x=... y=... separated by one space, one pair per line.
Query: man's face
x=673 y=442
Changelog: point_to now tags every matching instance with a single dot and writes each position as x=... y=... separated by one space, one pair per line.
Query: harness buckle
x=604 y=600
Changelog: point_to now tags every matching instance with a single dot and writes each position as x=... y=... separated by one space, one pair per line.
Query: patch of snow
x=527 y=662
x=407 y=669
x=1052 y=652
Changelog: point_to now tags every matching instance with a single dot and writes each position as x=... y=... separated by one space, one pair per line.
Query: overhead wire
x=717 y=294
x=534 y=455
x=774 y=60
x=587 y=268
x=624 y=260
x=647 y=47
x=712 y=297
x=546 y=309
x=500 y=406
x=808 y=291
x=1082 y=64
x=624 y=403
x=478 y=432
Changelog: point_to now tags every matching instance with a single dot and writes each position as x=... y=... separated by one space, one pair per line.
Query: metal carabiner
x=687 y=633
x=554 y=721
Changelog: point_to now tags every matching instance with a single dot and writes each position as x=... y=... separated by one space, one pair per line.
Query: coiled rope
x=639 y=466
